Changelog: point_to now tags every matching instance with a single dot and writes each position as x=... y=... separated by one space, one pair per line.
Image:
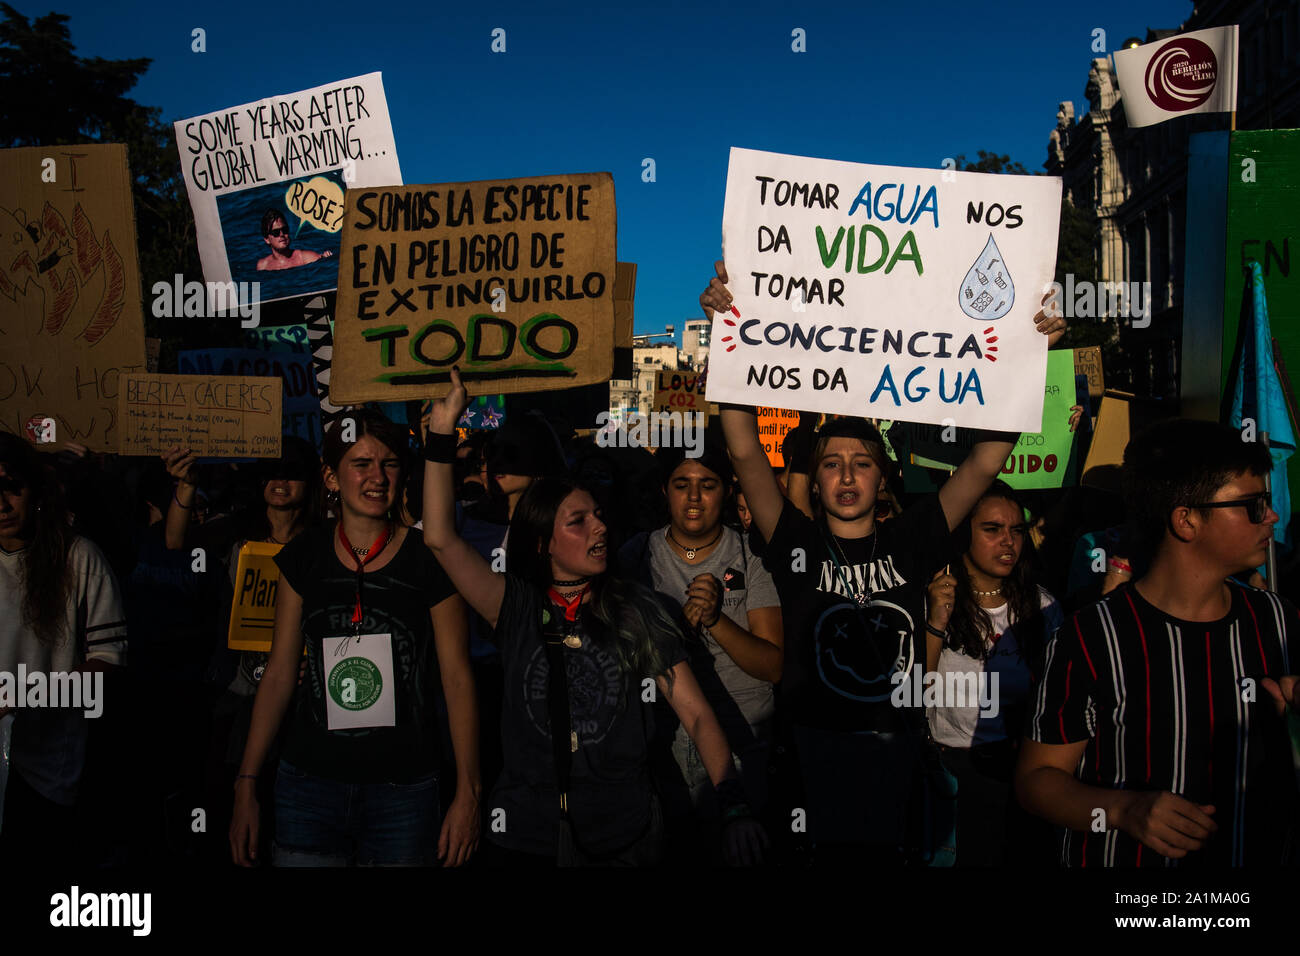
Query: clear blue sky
x=582 y=87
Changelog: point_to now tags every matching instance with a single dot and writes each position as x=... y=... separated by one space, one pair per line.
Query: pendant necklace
x=691 y=552
x=861 y=596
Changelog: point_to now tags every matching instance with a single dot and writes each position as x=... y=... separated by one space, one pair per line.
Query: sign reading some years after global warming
x=883 y=291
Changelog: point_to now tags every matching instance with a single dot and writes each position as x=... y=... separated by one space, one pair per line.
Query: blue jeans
x=321 y=822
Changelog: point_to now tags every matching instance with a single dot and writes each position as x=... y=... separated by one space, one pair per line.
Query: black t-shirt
x=396 y=600
x=609 y=782
x=1167 y=704
x=840 y=658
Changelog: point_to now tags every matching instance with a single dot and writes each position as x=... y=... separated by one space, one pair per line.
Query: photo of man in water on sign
x=275 y=232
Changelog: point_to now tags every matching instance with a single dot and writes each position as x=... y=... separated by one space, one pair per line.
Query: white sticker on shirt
x=359 y=688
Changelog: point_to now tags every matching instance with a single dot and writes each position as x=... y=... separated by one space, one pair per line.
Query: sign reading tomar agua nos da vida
x=883 y=291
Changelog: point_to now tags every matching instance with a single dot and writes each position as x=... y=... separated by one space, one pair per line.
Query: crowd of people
x=484 y=657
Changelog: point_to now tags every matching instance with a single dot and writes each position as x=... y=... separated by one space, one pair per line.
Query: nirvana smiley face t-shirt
x=854 y=611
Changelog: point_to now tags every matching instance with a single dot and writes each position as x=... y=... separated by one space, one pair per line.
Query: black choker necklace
x=569 y=584
x=691 y=552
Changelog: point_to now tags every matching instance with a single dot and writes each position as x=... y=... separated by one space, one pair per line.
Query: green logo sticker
x=355 y=683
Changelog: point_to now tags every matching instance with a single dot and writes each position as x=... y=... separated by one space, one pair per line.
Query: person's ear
x=1184 y=524
x=331 y=479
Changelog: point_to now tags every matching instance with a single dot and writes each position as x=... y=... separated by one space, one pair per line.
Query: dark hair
x=46 y=578
x=629 y=620
x=298 y=461
x=268 y=220
x=970 y=626
x=368 y=421
x=1177 y=463
x=711 y=457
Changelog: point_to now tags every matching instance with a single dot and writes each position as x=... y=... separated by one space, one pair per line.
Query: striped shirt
x=1166 y=704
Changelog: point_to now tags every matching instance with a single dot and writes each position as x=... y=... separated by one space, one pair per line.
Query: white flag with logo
x=1189 y=73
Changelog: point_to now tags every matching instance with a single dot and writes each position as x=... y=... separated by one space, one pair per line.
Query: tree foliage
x=53 y=97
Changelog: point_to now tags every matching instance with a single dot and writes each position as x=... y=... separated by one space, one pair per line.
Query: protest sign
x=1039 y=460
x=1087 y=361
x=511 y=280
x=773 y=424
x=624 y=295
x=300 y=406
x=252 y=611
x=681 y=391
x=279 y=338
x=216 y=416
x=886 y=292
x=70 y=318
x=294 y=155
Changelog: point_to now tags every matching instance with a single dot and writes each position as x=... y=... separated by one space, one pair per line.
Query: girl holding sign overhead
x=853 y=597
x=584 y=656
x=357 y=779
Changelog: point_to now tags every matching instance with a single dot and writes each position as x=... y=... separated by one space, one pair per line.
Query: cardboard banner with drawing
x=511 y=280
x=217 y=416
x=70 y=319
x=883 y=291
x=266 y=183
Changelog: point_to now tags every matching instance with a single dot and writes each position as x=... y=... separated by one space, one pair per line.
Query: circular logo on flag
x=1181 y=75
x=355 y=683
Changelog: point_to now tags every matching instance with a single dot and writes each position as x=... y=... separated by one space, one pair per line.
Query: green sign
x=1040 y=459
x=1264 y=225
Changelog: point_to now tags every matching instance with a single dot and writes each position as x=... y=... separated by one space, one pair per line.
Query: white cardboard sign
x=297 y=155
x=890 y=292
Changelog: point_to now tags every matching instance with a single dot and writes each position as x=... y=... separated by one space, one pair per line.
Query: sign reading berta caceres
x=217 y=416
x=875 y=290
x=511 y=280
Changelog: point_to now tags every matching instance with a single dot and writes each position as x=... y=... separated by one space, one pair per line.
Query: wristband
x=440 y=449
x=935 y=631
x=244 y=776
x=714 y=622
x=1120 y=565
x=178 y=501
x=732 y=799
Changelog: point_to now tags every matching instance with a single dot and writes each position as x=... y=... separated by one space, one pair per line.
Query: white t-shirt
x=966 y=725
x=49 y=745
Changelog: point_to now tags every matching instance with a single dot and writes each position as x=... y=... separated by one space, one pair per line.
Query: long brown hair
x=46 y=577
x=628 y=618
x=970 y=626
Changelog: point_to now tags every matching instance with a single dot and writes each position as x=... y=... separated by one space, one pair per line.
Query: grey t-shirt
x=746 y=585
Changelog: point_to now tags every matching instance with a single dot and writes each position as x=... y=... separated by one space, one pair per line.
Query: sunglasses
x=282 y=231
x=1257 y=506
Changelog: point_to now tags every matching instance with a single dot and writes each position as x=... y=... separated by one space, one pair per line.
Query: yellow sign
x=252 y=613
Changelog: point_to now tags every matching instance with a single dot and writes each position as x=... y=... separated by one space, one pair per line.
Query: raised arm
x=740 y=427
x=973 y=477
x=474 y=578
x=181 y=465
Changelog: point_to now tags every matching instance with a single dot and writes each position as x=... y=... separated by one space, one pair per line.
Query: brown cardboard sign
x=510 y=280
x=1087 y=361
x=217 y=416
x=681 y=392
x=624 y=295
x=70 y=314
